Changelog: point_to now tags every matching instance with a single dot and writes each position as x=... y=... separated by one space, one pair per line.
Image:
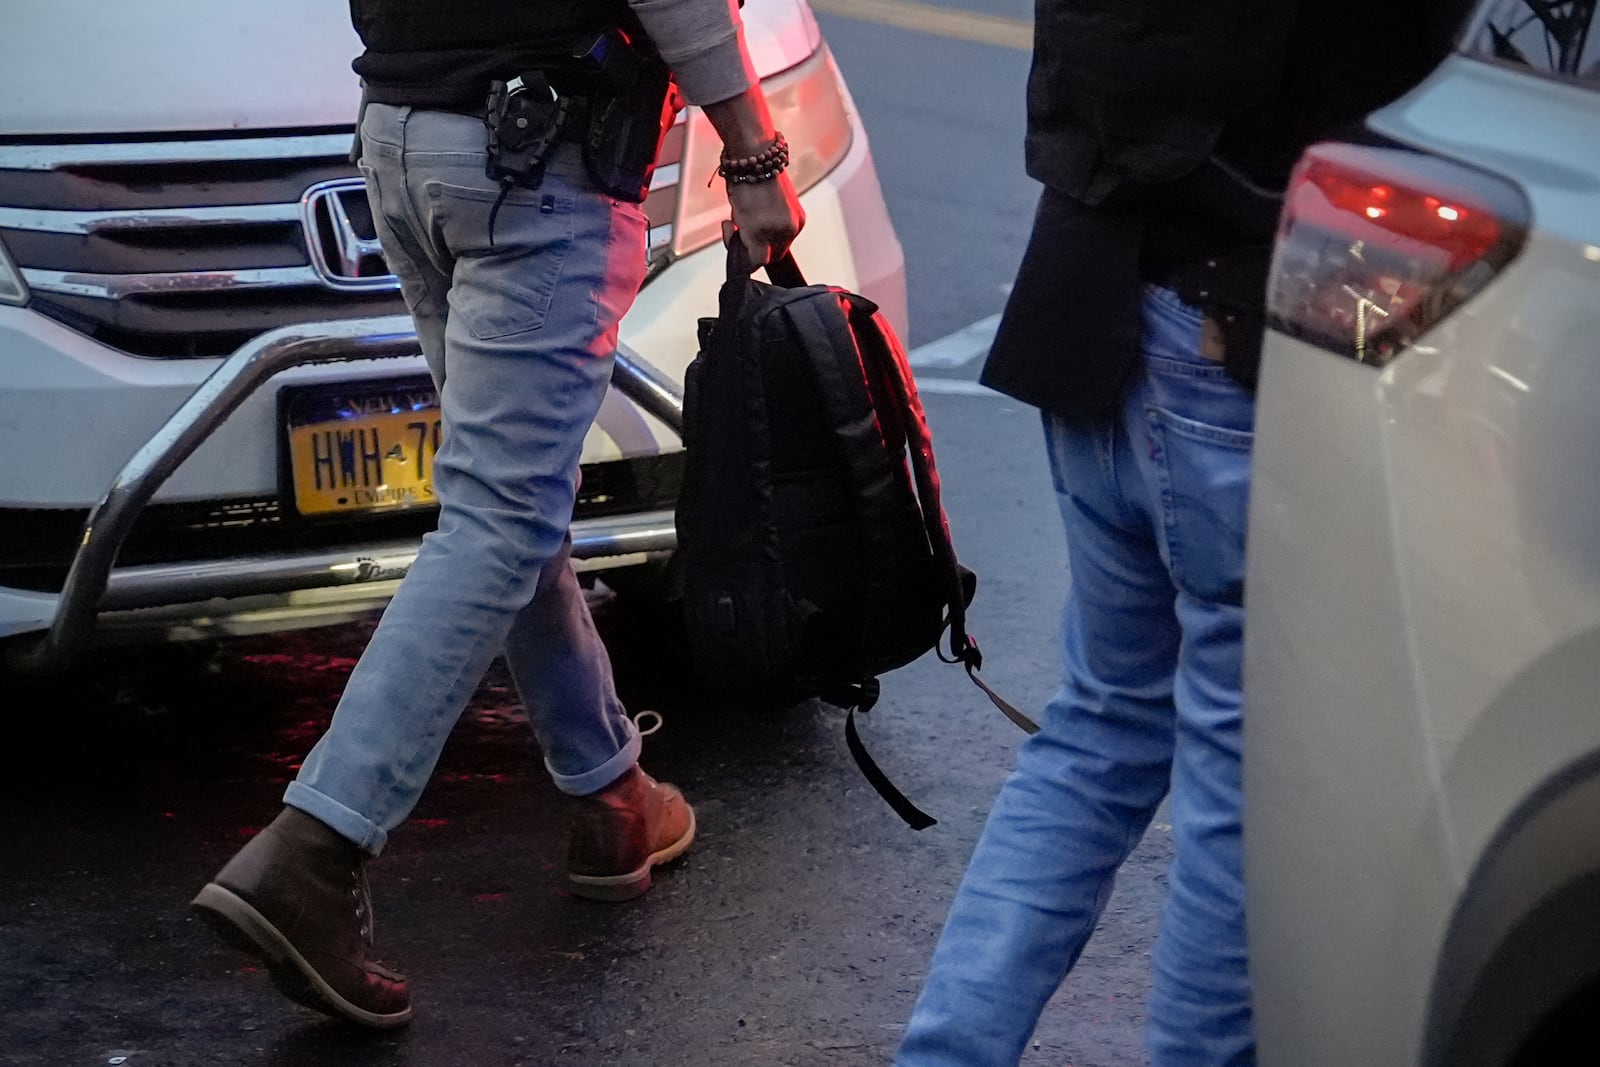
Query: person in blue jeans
x=1164 y=133
x=517 y=294
x=1153 y=501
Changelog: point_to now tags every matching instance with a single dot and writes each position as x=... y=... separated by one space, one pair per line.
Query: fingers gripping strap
x=784 y=272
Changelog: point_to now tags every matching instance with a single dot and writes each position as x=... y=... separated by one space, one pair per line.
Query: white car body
x=140 y=84
x=1422 y=759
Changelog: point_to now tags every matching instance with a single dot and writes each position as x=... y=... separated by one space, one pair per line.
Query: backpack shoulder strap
x=886 y=357
x=822 y=315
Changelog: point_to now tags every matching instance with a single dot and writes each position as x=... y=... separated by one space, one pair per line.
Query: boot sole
x=241 y=926
x=616 y=887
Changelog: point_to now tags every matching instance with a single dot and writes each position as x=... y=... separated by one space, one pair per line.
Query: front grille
x=178 y=248
x=36 y=543
x=189 y=248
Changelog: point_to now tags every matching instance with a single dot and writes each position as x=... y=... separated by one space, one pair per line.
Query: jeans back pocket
x=503 y=288
x=1204 y=473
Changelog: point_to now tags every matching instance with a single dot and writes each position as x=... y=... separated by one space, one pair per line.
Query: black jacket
x=1164 y=132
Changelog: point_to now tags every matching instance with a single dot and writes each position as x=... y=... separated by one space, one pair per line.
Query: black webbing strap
x=1008 y=709
x=785 y=272
x=914 y=816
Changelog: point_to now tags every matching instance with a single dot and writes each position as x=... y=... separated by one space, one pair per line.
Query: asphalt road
x=795 y=933
x=945 y=115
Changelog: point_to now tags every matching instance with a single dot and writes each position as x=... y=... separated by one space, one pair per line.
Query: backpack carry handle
x=784 y=272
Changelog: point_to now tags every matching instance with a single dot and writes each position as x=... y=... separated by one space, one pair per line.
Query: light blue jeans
x=519 y=338
x=1154 y=503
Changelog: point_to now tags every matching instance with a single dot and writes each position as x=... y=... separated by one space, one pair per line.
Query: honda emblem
x=341 y=237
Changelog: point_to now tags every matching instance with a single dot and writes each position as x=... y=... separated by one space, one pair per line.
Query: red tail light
x=1378 y=245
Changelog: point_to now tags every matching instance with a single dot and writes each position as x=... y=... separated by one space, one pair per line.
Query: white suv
x=212 y=417
x=1422 y=765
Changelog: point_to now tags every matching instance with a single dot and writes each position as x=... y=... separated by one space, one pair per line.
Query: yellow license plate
x=362 y=448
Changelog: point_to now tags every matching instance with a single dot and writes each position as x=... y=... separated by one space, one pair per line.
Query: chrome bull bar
x=238 y=376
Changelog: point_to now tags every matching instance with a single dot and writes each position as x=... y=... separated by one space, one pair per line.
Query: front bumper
x=94 y=585
x=64 y=391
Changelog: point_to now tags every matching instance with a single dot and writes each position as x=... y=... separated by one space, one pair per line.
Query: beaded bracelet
x=764 y=166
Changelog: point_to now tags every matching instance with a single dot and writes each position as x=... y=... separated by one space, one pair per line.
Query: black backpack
x=814 y=551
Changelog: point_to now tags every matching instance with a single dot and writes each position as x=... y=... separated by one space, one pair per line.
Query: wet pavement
x=795 y=933
x=797 y=930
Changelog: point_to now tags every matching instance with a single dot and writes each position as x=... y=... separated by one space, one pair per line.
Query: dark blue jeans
x=1154 y=504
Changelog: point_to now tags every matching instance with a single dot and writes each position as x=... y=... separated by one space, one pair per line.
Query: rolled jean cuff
x=347 y=823
x=592 y=781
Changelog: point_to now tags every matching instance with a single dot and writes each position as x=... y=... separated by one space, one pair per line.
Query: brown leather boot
x=621 y=832
x=296 y=897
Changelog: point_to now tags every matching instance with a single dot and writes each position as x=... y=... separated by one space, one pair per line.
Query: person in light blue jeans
x=517 y=293
x=494 y=575
x=1154 y=502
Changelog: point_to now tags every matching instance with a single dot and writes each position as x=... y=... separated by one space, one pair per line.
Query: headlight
x=806 y=105
x=13 y=290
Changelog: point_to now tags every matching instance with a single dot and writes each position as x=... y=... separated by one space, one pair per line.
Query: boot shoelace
x=361 y=893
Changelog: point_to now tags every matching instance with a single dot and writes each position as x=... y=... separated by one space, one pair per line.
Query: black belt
x=577 y=116
x=472 y=103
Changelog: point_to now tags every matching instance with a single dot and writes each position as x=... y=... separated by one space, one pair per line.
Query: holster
x=633 y=105
x=525 y=119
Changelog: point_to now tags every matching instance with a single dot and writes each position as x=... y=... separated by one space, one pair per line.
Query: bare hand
x=768 y=216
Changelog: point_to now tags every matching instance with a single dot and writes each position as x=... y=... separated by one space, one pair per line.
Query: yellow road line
x=940 y=21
